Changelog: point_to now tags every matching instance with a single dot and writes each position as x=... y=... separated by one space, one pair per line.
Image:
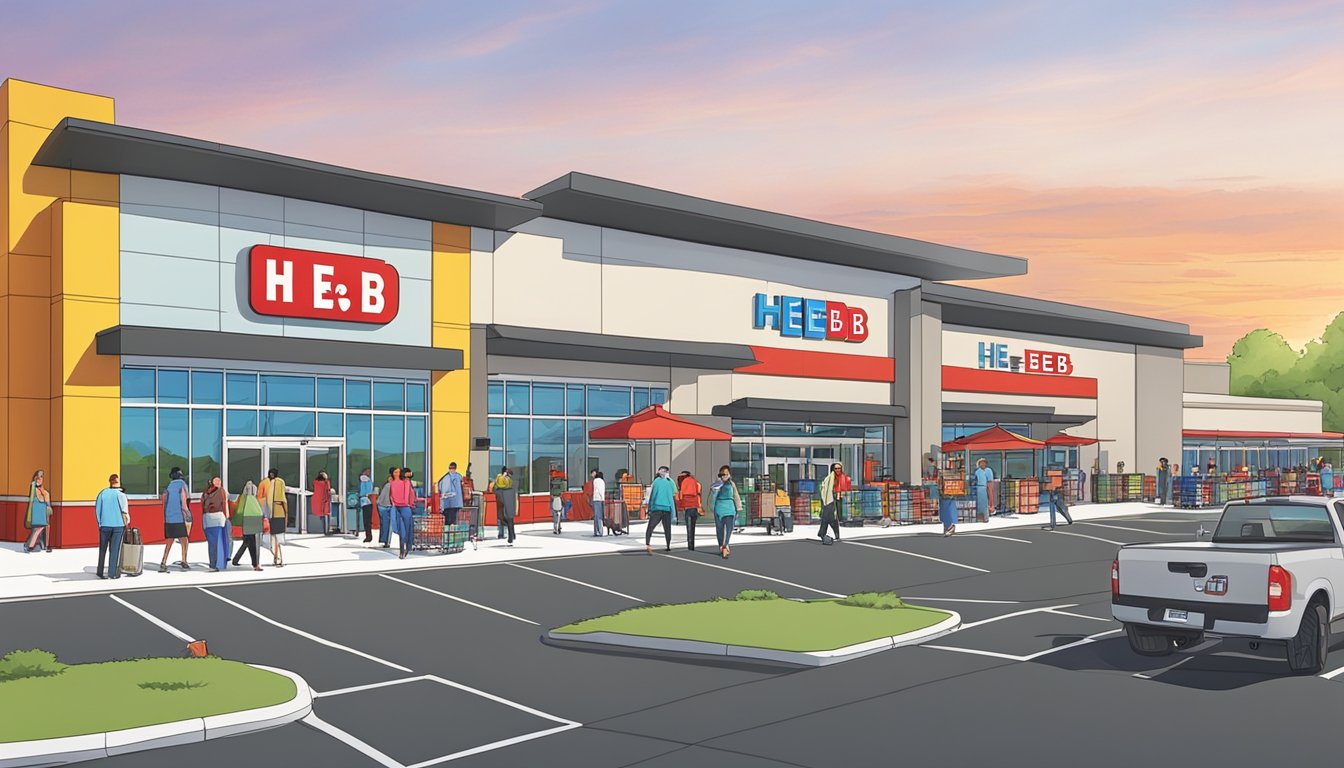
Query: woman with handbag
x=278 y=516
x=176 y=518
x=253 y=522
x=39 y=513
x=726 y=502
x=215 y=520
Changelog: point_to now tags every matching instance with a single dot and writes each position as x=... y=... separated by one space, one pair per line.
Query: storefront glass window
x=389 y=444
x=241 y=423
x=174 y=441
x=415 y=449
x=548 y=445
x=287 y=391
x=641 y=399
x=658 y=396
x=330 y=424
x=516 y=398
x=608 y=401
x=138 y=449
x=548 y=399
x=330 y=393
x=358 y=453
x=207 y=447
x=242 y=388
x=415 y=398
x=494 y=397
x=357 y=394
x=137 y=385
x=495 y=426
x=207 y=388
x=518 y=452
x=172 y=387
x=576 y=444
x=575 y=406
x=748 y=428
x=288 y=424
x=389 y=396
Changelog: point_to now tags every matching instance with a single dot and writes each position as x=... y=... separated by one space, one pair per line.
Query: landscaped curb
x=73 y=749
x=676 y=647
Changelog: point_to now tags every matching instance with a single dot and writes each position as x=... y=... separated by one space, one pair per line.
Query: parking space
x=526 y=591
x=1025 y=634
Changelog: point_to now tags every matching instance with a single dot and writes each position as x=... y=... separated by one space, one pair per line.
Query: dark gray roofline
x=979 y=308
x=620 y=205
x=548 y=344
x=984 y=413
x=768 y=409
x=92 y=146
x=171 y=342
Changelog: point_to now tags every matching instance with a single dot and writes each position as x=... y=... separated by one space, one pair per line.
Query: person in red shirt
x=688 y=501
x=322 y=501
x=403 y=503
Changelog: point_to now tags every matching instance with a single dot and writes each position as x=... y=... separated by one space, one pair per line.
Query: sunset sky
x=1183 y=160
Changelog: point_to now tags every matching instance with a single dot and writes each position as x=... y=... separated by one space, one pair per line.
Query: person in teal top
x=366 y=499
x=983 y=477
x=39 y=510
x=662 y=506
x=726 y=502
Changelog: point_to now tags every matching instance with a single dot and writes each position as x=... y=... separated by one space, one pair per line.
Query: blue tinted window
x=641 y=398
x=358 y=444
x=658 y=396
x=494 y=397
x=415 y=449
x=293 y=391
x=518 y=452
x=330 y=393
x=357 y=394
x=575 y=405
x=389 y=396
x=288 y=424
x=389 y=444
x=330 y=424
x=496 y=433
x=173 y=443
x=241 y=423
x=207 y=387
x=207 y=446
x=548 y=399
x=137 y=385
x=173 y=388
x=138 y=450
x=415 y=398
x=242 y=389
x=517 y=398
x=608 y=401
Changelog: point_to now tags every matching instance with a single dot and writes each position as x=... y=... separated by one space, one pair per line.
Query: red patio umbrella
x=655 y=423
x=995 y=438
x=1070 y=441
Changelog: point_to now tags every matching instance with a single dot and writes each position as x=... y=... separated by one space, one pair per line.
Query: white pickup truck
x=1274 y=571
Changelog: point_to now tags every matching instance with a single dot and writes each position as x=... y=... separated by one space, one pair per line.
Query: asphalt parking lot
x=445 y=665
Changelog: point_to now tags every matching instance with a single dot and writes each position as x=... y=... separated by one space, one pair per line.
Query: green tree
x=1263 y=364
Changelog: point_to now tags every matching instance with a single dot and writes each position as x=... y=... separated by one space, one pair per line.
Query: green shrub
x=756 y=594
x=185 y=685
x=881 y=600
x=17 y=665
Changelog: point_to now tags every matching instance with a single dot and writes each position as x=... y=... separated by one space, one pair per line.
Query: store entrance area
x=298 y=462
x=790 y=452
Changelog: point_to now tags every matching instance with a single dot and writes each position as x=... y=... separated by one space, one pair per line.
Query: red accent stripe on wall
x=1007 y=383
x=771 y=361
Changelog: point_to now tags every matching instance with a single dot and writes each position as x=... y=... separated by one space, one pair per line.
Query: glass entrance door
x=297 y=462
x=323 y=459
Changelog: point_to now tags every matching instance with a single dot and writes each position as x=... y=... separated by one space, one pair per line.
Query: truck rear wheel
x=1148 y=642
x=1307 y=650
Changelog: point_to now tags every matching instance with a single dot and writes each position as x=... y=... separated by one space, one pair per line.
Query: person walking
x=176 y=518
x=450 y=494
x=1163 y=481
x=1059 y=502
x=506 y=502
x=688 y=501
x=253 y=522
x=386 y=518
x=215 y=520
x=320 y=501
x=367 y=498
x=830 y=504
x=278 y=514
x=558 y=481
x=726 y=502
x=403 y=506
x=112 y=514
x=1327 y=481
x=598 y=495
x=980 y=481
x=39 y=514
x=662 y=506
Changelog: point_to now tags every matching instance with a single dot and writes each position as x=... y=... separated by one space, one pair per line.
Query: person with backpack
x=726 y=502
x=450 y=494
x=558 y=481
x=112 y=514
x=251 y=519
x=662 y=505
x=688 y=501
x=506 y=502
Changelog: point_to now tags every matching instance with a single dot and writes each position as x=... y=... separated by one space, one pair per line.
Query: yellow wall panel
x=83 y=372
x=95 y=187
x=4 y=446
x=29 y=347
x=45 y=106
x=451 y=441
x=453 y=235
x=31 y=191
x=4 y=355
x=29 y=442
x=87 y=262
x=86 y=462
x=4 y=275
x=450 y=392
x=29 y=275
x=453 y=337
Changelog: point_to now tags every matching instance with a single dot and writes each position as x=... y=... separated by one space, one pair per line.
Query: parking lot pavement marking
x=1136 y=530
x=1000 y=538
x=497 y=745
x=1014 y=615
x=963 y=600
x=319 y=724
x=1079 y=616
x=306 y=635
x=1331 y=675
x=912 y=554
x=977 y=652
x=1067 y=646
x=369 y=687
x=576 y=581
x=1029 y=657
x=460 y=600
x=156 y=621
x=1146 y=676
x=1085 y=536
x=757 y=575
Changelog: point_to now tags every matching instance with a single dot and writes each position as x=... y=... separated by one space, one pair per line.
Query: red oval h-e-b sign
x=287 y=282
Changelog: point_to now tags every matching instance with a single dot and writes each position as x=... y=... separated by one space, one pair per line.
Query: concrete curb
x=675 y=648
x=74 y=749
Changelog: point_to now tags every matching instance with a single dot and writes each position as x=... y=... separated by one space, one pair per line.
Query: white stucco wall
x=1257 y=414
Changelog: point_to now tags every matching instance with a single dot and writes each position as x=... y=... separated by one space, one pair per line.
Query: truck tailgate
x=1191 y=573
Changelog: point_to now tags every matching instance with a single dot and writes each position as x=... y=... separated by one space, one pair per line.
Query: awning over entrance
x=995 y=438
x=548 y=344
x=172 y=342
x=655 y=423
x=985 y=413
x=767 y=409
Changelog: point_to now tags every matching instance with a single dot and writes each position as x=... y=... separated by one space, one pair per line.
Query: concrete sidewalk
x=72 y=571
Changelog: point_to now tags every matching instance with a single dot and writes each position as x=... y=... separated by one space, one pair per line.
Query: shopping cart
x=426 y=532
x=470 y=518
x=455 y=538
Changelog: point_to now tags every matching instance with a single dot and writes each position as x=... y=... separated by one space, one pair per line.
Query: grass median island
x=40 y=698
x=761 y=619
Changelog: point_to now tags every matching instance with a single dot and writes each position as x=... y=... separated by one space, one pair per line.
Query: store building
x=177 y=303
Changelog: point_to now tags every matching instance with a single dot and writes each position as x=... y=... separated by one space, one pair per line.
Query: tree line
x=1264 y=364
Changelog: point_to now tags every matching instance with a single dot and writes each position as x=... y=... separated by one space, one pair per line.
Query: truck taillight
x=1115 y=578
x=1280 y=589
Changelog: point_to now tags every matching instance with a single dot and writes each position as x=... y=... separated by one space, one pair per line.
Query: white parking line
x=156 y=621
x=1081 y=616
x=1333 y=674
x=318 y=723
x=1143 y=676
x=912 y=554
x=1028 y=657
x=1084 y=641
x=756 y=576
x=497 y=745
x=982 y=622
x=1136 y=530
x=1085 y=536
x=976 y=652
x=962 y=600
x=576 y=581
x=989 y=536
x=369 y=687
x=502 y=700
x=460 y=600
x=306 y=635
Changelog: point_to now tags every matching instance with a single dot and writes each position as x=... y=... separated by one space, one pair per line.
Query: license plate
x=1175 y=615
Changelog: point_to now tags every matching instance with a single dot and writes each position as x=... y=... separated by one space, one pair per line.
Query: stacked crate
x=1106 y=489
x=1022 y=496
x=866 y=503
x=632 y=495
x=1149 y=487
x=953 y=487
x=1133 y=490
x=800 y=506
x=928 y=505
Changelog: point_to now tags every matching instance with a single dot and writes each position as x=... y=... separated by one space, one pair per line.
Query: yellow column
x=450 y=391
x=60 y=279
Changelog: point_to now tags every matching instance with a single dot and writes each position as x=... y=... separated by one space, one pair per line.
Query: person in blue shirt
x=450 y=494
x=662 y=503
x=366 y=499
x=112 y=515
x=176 y=518
x=983 y=477
x=726 y=502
